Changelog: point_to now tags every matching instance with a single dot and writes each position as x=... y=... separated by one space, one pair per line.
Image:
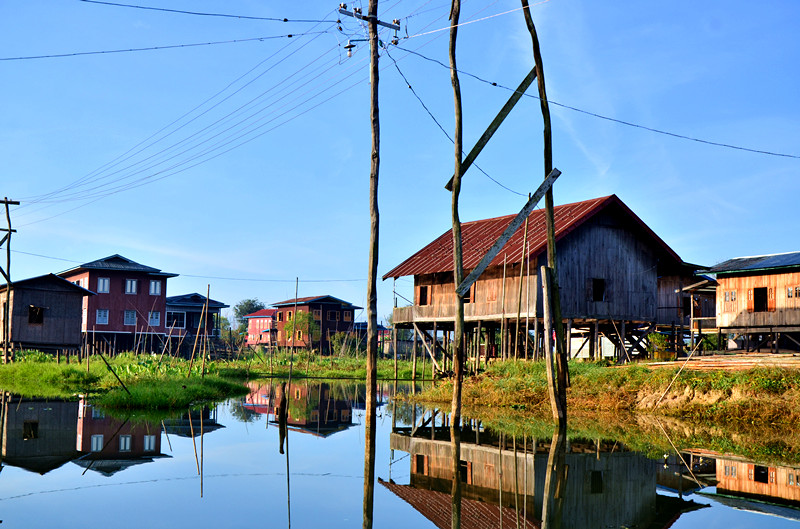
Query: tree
x=304 y=322
x=243 y=308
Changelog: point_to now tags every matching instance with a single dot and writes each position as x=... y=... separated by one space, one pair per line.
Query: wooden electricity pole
x=7 y=276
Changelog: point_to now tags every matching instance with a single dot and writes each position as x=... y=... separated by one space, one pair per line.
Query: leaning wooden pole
x=562 y=375
x=372 y=274
x=458 y=271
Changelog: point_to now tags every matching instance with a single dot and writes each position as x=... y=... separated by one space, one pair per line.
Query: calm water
x=69 y=465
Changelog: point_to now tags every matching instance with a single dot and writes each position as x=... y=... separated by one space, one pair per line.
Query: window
x=35 y=315
x=149 y=443
x=733 y=295
x=30 y=430
x=155 y=287
x=733 y=471
x=333 y=315
x=155 y=319
x=288 y=315
x=797 y=292
x=97 y=442
x=314 y=416
x=345 y=415
x=103 y=285
x=130 y=317
x=176 y=320
x=424 y=298
x=347 y=315
x=124 y=443
x=299 y=335
x=318 y=314
x=280 y=316
x=130 y=286
x=727 y=296
x=279 y=335
x=789 y=292
x=760 y=299
x=598 y=289
x=596 y=482
x=790 y=479
x=97 y=413
x=101 y=318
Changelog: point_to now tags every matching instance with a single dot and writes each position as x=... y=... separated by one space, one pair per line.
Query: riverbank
x=152 y=382
x=758 y=396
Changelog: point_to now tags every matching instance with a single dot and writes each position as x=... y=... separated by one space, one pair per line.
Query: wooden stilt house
x=758 y=300
x=609 y=264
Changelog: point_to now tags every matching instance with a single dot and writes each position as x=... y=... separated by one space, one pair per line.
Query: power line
x=224 y=15
x=442 y=128
x=154 y=48
x=614 y=120
x=222 y=278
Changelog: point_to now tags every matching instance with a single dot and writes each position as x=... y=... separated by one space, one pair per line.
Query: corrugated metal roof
x=758 y=262
x=478 y=236
x=314 y=299
x=263 y=313
x=120 y=263
x=194 y=300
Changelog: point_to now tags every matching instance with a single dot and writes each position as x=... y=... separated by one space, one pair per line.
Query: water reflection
x=531 y=482
x=508 y=478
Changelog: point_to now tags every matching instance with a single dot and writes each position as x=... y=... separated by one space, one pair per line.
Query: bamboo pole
x=519 y=297
x=503 y=314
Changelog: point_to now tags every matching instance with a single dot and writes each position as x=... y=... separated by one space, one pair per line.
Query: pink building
x=261 y=328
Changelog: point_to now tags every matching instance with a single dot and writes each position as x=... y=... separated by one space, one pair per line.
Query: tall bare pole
x=372 y=295
x=7 y=276
x=561 y=361
x=458 y=271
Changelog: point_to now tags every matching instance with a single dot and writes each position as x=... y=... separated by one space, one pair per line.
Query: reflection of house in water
x=38 y=435
x=193 y=423
x=606 y=486
x=111 y=444
x=767 y=489
x=314 y=408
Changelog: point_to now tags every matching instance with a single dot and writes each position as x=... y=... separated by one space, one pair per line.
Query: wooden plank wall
x=735 y=313
x=62 y=316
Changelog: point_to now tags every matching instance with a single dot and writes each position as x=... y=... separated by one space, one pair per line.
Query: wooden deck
x=735 y=362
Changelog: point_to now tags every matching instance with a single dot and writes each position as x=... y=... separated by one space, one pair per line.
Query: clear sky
x=249 y=160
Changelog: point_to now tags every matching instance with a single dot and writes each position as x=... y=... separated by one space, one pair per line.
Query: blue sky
x=250 y=159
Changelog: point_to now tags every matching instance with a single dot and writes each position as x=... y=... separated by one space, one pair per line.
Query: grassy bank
x=754 y=397
x=155 y=382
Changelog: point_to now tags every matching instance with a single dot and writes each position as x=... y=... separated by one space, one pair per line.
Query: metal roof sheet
x=263 y=313
x=120 y=263
x=478 y=236
x=194 y=300
x=314 y=299
x=758 y=262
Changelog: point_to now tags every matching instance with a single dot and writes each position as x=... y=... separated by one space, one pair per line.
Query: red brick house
x=331 y=315
x=261 y=328
x=130 y=305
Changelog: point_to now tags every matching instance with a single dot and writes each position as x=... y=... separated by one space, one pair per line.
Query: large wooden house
x=609 y=265
x=45 y=313
x=129 y=308
x=331 y=315
x=760 y=296
x=190 y=314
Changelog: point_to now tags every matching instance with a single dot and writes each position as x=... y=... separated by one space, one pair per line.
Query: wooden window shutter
x=771 y=300
x=750 y=305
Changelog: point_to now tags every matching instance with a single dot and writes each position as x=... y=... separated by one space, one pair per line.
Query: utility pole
x=7 y=275
x=371 y=18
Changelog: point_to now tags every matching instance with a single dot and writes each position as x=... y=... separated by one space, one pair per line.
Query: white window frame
x=101 y=317
x=131 y=286
x=97 y=443
x=154 y=318
x=103 y=285
x=155 y=287
x=149 y=443
x=125 y=442
x=126 y=320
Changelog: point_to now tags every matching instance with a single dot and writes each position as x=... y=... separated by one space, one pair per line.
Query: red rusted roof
x=263 y=313
x=478 y=236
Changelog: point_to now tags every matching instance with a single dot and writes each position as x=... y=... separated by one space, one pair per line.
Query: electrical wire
x=223 y=278
x=443 y=130
x=154 y=48
x=607 y=118
x=178 y=11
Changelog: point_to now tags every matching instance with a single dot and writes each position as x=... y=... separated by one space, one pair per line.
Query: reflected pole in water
x=201 y=448
x=555 y=480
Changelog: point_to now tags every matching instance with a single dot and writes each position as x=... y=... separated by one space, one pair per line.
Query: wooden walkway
x=734 y=362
